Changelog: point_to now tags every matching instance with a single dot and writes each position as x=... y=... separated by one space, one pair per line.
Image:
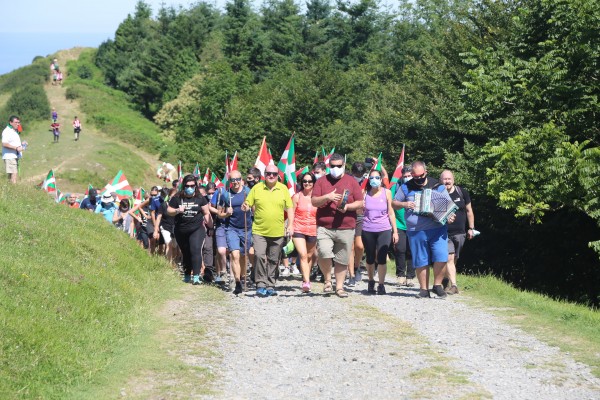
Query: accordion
x=434 y=204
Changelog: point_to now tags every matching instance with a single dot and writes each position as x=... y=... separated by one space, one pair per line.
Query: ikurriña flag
x=264 y=158
x=119 y=185
x=287 y=166
x=398 y=171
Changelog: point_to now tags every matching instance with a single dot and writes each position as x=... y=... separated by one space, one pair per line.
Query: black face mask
x=420 y=181
x=250 y=183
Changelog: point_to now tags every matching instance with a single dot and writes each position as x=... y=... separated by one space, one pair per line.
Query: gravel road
x=387 y=347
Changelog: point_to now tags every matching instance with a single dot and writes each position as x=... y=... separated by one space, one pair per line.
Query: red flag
x=398 y=171
x=264 y=158
x=316 y=160
x=233 y=166
x=207 y=177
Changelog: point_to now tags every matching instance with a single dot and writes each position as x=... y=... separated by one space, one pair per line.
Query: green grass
x=572 y=327
x=109 y=109
x=76 y=295
x=36 y=73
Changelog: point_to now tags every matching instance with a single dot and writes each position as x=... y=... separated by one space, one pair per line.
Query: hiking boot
x=439 y=291
x=371 y=288
x=423 y=294
x=381 y=288
x=238 y=288
x=187 y=278
x=402 y=280
x=261 y=292
x=452 y=290
x=446 y=283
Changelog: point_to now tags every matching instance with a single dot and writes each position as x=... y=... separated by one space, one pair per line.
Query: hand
x=470 y=234
x=451 y=218
x=181 y=210
x=333 y=196
x=410 y=205
x=395 y=237
x=245 y=207
x=156 y=235
x=344 y=209
x=289 y=231
x=230 y=210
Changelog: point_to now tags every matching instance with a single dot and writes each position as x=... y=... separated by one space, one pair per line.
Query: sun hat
x=107 y=198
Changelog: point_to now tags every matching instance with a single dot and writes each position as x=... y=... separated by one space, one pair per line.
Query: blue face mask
x=189 y=191
x=404 y=180
x=374 y=182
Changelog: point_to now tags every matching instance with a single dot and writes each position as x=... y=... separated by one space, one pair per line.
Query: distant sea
x=19 y=49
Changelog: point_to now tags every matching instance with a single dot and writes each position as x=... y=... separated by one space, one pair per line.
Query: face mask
x=155 y=196
x=317 y=176
x=189 y=191
x=375 y=183
x=250 y=183
x=404 y=180
x=209 y=196
x=337 y=172
x=420 y=181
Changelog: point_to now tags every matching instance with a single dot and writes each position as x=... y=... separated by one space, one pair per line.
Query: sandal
x=341 y=293
x=327 y=289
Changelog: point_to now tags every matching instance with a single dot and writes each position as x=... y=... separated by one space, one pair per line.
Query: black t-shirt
x=166 y=221
x=460 y=222
x=192 y=218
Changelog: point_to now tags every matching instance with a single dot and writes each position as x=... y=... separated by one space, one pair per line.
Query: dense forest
x=504 y=92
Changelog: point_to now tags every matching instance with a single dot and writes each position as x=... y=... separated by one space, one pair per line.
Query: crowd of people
x=235 y=236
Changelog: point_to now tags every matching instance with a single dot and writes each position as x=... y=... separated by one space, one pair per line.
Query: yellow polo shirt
x=269 y=205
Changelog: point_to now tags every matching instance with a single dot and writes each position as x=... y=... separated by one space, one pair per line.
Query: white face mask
x=337 y=172
x=317 y=176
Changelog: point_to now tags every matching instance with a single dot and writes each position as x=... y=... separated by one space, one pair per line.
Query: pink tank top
x=305 y=218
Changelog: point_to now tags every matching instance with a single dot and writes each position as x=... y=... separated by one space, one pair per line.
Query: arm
x=471 y=220
x=208 y=221
x=320 y=201
x=157 y=226
x=392 y=216
x=117 y=216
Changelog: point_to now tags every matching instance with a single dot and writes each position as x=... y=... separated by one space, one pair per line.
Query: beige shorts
x=335 y=243
x=12 y=165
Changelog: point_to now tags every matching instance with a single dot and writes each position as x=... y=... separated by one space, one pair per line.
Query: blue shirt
x=415 y=222
x=107 y=210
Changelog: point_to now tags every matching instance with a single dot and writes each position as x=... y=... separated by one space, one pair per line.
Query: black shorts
x=456 y=243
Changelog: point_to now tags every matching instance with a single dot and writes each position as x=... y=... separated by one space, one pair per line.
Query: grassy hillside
x=76 y=294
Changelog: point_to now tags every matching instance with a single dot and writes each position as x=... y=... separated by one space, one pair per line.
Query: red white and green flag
x=49 y=184
x=233 y=165
x=207 y=177
x=139 y=196
x=376 y=167
x=227 y=170
x=60 y=197
x=398 y=171
x=287 y=166
x=214 y=178
x=316 y=159
x=264 y=158
x=119 y=185
x=301 y=172
x=196 y=172
x=327 y=157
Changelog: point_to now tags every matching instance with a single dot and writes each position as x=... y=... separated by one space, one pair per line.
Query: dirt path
x=387 y=347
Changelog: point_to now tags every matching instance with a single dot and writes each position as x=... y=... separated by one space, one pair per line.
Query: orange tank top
x=305 y=218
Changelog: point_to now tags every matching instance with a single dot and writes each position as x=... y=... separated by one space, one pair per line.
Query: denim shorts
x=220 y=236
x=428 y=246
x=235 y=239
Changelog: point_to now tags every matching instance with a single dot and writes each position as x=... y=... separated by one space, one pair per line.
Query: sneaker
x=196 y=280
x=218 y=280
x=381 y=288
x=423 y=294
x=452 y=290
x=285 y=272
x=238 y=288
x=446 y=283
x=261 y=292
x=305 y=287
x=439 y=291
x=352 y=282
x=321 y=278
x=371 y=288
x=295 y=270
x=402 y=280
x=357 y=275
x=271 y=292
x=187 y=278
x=411 y=282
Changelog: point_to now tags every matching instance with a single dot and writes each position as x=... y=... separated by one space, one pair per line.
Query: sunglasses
x=378 y=178
x=235 y=179
x=190 y=186
x=307 y=181
x=420 y=176
x=336 y=165
x=270 y=173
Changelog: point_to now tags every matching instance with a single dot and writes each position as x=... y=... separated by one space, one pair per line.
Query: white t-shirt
x=11 y=137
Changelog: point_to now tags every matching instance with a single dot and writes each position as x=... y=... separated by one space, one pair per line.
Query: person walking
x=305 y=227
x=192 y=216
x=76 y=128
x=379 y=230
x=269 y=199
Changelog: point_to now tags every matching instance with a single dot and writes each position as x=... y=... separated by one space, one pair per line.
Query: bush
x=29 y=103
x=72 y=93
x=84 y=72
x=37 y=73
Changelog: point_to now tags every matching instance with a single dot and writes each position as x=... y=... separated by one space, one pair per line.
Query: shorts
x=236 y=241
x=428 y=246
x=335 y=244
x=359 y=224
x=167 y=237
x=221 y=236
x=12 y=165
x=456 y=243
x=307 y=238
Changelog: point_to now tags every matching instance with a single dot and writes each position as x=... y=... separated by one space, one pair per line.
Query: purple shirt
x=376 y=217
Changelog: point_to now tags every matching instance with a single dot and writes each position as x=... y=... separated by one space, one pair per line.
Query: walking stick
x=245 y=246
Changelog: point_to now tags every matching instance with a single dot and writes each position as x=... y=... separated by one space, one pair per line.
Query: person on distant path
x=59 y=76
x=106 y=207
x=404 y=273
x=269 y=199
x=428 y=238
x=11 y=148
x=90 y=202
x=379 y=229
x=72 y=201
x=238 y=227
x=336 y=221
x=76 y=128
x=305 y=227
x=55 y=131
x=191 y=213
x=54 y=115
x=122 y=220
x=456 y=229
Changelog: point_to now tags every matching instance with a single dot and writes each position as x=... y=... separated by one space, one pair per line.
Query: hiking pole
x=245 y=247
